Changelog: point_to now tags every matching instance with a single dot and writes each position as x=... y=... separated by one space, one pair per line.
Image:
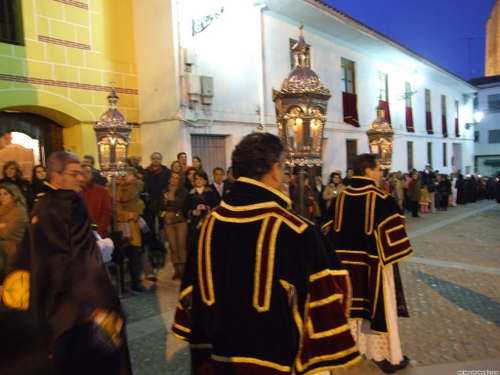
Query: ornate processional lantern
x=381 y=139
x=301 y=106
x=113 y=138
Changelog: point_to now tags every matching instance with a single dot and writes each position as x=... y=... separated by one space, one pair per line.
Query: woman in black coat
x=38 y=177
x=444 y=191
x=189 y=178
x=461 y=189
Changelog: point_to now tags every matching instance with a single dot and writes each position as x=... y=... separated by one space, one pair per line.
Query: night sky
x=450 y=33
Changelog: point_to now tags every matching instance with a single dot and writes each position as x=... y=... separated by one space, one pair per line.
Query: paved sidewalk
x=452 y=287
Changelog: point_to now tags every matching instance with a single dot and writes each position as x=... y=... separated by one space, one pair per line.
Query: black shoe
x=403 y=363
x=152 y=277
x=388 y=368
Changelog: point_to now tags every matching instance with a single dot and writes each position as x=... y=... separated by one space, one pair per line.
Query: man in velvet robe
x=369 y=235
x=70 y=292
x=263 y=290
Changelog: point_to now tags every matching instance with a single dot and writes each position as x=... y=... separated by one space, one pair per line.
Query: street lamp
x=301 y=106
x=113 y=138
x=381 y=139
x=478 y=116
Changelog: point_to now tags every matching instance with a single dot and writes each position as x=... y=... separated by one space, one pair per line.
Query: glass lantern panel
x=385 y=151
x=290 y=136
x=298 y=131
x=316 y=129
x=121 y=155
x=374 y=147
x=105 y=155
x=295 y=129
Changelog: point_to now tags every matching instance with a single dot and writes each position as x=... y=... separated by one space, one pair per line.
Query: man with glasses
x=70 y=291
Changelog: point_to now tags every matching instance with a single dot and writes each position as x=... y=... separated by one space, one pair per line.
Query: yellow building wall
x=73 y=50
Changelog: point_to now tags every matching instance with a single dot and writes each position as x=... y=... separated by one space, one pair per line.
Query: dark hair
x=332 y=175
x=363 y=161
x=19 y=171
x=201 y=174
x=180 y=153
x=218 y=169
x=189 y=170
x=256 y=154
x=198 y=158
x=92 y=160
x=33 y=174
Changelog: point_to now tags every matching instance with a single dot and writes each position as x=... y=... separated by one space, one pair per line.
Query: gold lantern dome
x=301 y=106
x=303 y=79
x=381 y=139
x=113 y=138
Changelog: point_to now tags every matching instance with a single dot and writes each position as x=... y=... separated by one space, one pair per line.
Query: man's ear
x=368 y=172
x=276 y=172
x=276 y=175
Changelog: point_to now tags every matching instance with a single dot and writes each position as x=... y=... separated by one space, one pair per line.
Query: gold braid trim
x=254 y=361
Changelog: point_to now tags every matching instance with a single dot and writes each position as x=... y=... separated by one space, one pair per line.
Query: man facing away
x=369 y=236
x=263 y=290
x=70 y=290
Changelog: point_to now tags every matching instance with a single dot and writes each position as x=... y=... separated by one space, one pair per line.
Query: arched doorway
x=28 y=139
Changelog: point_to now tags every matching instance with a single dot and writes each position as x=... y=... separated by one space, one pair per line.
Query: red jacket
x=99 y=206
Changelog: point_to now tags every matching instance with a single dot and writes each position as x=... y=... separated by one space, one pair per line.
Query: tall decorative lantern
x=113 y=138
x=301 y=106
x=381 y=139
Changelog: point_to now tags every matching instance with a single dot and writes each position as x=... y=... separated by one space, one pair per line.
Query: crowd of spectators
x=429 y=192
x=154 y=204
x=168 y=202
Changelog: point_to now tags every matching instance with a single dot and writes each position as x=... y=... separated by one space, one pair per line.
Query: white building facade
x=207 y=68
x=487 y=131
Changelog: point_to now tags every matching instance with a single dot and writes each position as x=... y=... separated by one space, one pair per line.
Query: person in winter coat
x=129 y=198
x=13 y=173
x=13 y=223
x=414 y=190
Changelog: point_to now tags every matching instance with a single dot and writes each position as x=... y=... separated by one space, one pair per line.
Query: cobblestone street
x=452 y=288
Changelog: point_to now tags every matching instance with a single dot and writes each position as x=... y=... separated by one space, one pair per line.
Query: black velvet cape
x=369 y=234
x=68 y=282
x=263 y=291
